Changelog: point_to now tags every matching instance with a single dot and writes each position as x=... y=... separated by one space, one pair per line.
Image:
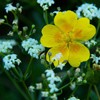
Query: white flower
x=79 y=79
x=73 y=98
x=57 y=56
x=54 y=97
x=10 y=61
x=87 y=10
x=49 y=73
x=90 y=43
x=10 y=33
x=72 y=86
x=39 y=86
x=61 y=65
x=44 y=93
x=45 y=4
x=95 y=58
x=9 y=7
x=2 y=21
x=53 y=88
x=32 y=47
x=6 y=45
x=31 y=88
x=77 y=71
x=15 y=21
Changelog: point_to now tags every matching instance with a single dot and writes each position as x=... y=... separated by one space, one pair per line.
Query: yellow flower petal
x=65 y=20
x=52 y=36
x=83 y=30
x=77 y=54
x=63 y=49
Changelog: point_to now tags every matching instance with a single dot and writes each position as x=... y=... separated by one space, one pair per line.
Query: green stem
x=46 y=16
x=98 y=26
x=74 y=91
x=28 y=68
x=7 y=24
x=89 y=92
x=16 y=72
x=26 y=89
x=97 y=92
x=66 y=85
x=17 y=86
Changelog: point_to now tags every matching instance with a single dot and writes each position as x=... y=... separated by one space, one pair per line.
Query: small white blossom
x=2 y=21
x=90 y=43
x=10 y=61
x=61 y=65
x=72 y=86
x=6 y=45
x=32 y=47
x=44 y=93
x=57 y=56
x=73 y=98
x=10 y=33
x=87 y=10
x=79 y=79
x=45 y=4
x=54 y=97
x=39 y=86
x=57 y=79
x=53 y=88
x=20 y=9
x=77 y=71
x=15 y=21
x=9 y=7
x=95 y=58
x=50 y=73
x=31 y=88
x=53 y=79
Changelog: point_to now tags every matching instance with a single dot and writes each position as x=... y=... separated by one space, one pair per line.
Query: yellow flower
x=66 y=37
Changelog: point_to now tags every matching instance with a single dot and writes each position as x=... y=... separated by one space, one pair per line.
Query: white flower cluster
x=90 y=43
x=88 y=10
x=52 y=79
x=73 y=98
x=32 y=47
x=9 y=7
x=45 y=4
x=6 y=45
x=10 y=61
x=95 y=58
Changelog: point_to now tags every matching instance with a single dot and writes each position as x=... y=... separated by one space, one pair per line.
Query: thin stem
x=16 y=72
x=7 y=24
x=89 y=92
x=17 y=86
x=98 y=26
x=66 y=85
x=97 y=92
x=26 y=89
x=28 y=68
x=74 y=91
x=46 y=16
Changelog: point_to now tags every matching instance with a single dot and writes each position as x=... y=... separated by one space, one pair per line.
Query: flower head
x=45 y=4
x=34 y=49
x=65 y=37
x=87 y=10
x=10 y=61
x=7 y=45
x=9 y=7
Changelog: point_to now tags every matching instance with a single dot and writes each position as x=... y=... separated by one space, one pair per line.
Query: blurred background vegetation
x=33 y=14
